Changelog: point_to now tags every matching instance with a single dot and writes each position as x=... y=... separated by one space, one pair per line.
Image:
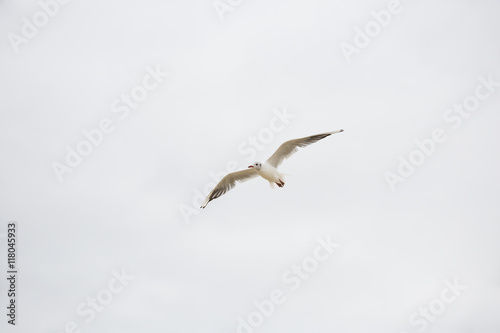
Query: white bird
x=267 y=170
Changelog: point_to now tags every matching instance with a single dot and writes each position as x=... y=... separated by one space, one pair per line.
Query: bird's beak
x=250 y=166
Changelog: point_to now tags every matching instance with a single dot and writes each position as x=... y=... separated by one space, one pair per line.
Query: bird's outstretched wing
x=228 y=182
x=291 y=146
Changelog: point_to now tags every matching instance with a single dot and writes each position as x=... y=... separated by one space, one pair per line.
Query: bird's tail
x=282 y=176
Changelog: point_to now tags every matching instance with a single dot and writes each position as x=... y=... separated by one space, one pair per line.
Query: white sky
x=121 y=207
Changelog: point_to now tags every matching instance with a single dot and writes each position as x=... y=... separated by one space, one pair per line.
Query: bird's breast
x=269 y=172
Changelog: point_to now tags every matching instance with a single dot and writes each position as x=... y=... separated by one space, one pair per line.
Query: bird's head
x=256 y=165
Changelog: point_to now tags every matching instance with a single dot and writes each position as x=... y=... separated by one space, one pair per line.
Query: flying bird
x=267 y=170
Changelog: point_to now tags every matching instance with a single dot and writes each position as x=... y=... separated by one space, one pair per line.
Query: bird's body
x=271 y=174
x=267 y=170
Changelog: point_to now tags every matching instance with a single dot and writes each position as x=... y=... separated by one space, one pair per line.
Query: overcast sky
x=117 y=116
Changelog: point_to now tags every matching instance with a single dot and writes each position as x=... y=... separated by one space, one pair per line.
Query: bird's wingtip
x=337 y=131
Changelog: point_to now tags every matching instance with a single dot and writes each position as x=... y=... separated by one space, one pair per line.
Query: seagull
x=268 y=169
